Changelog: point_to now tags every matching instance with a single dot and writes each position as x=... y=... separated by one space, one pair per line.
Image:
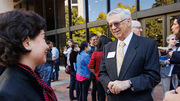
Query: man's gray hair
x=169 y=36
x=124 y=13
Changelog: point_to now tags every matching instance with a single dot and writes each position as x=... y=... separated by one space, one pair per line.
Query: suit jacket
x=17 y=84
x=140 y=65
x=175 y=59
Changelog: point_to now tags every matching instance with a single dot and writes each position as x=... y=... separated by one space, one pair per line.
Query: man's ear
x=27 y=44
x=129 y=21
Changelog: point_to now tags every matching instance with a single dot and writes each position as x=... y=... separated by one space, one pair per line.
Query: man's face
x=136 y=28
x=50 y=45
x=119 y=27
x=94 y=40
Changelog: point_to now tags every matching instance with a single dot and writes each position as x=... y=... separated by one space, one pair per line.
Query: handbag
x=67 y=70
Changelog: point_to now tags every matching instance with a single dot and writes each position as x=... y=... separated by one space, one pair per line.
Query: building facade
x=89 y=16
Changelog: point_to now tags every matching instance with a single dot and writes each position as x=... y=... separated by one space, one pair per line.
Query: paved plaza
x=62 y=92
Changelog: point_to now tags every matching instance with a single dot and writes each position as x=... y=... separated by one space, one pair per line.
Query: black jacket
x=16 y=84
x=72 y=59
x=49 y=61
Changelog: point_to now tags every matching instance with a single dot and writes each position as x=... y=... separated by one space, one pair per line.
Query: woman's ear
x=27 y=44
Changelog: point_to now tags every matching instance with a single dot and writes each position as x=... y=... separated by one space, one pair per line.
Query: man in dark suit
x=130 y=70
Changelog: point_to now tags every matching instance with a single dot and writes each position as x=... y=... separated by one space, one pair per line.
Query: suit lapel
x=129 y=56
x=112 y=62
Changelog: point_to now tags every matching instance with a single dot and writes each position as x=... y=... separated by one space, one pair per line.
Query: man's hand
x=53 y=58
x=169 y=55
x=110 y=85
x=167 y=61
x=117 y=86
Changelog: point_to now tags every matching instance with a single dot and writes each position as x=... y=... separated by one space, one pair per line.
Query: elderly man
x=130 y=65
x=136 y=27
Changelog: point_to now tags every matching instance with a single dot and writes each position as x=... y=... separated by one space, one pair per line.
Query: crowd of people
x=126 y=69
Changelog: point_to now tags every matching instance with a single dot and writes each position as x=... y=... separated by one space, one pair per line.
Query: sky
x=98 y=6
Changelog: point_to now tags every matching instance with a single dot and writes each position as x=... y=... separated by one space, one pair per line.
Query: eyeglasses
x=137 y=27
x=116 y=24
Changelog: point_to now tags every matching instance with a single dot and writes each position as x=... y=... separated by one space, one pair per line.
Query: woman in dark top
x=22 y=49
x=73 y=81
x=174 y=95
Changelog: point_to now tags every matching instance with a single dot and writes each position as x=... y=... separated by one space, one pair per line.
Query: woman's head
x=21 y=33
x=70 y=42
x=171 y=40
x=176 y=26
x=101 y=42
x=75 y=46
x=84 y=46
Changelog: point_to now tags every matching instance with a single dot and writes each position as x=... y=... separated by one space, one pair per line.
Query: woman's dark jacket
x=72 y=59
x=16 y=84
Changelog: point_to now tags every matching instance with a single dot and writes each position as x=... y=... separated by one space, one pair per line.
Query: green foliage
x=154 y=30
x=78 y=36
x=162 y=3
x=132 y=9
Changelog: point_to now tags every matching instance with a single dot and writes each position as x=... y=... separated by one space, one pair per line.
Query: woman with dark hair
x=22 y=49
x=83 y=73
x=73 y=81
x=94 y=65
x=174 y=95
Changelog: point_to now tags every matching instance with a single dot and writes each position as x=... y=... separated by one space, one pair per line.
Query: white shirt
x=67 y=54
x=126 y=41
x=55 y=52
x=172 y=66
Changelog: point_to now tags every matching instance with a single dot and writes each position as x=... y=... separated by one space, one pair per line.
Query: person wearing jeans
x=83 y=73
x=48 y=65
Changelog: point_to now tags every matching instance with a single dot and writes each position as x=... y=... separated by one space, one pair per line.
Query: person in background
x=40 y=70
x=55 y=58
x=22 y=49
x=94 y=65
x=136 y=27
x=174 y=95
x=93 y=44
x=48 y=69
x=175 y=55
x=73 y=81
x=166 y=67
x=83 y=73
x=130 y=65
x=67 y=51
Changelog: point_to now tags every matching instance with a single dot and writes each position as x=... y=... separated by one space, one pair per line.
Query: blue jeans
x=56 y=73
x=47 y=77
x=40 y=70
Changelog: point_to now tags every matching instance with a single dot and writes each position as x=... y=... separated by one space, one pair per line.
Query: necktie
x=120 y=57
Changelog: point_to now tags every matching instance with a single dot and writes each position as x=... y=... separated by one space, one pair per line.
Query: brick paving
x=62 y=92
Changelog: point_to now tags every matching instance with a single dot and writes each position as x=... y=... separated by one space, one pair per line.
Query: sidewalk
x=62 y=92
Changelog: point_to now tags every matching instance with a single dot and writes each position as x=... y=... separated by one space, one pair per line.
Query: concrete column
x=6 y=5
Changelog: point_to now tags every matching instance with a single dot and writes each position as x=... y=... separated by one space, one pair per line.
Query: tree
x=100 y=30
x=80 y=35
x=154 y=30
x=162 y=3
x=132 y=9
